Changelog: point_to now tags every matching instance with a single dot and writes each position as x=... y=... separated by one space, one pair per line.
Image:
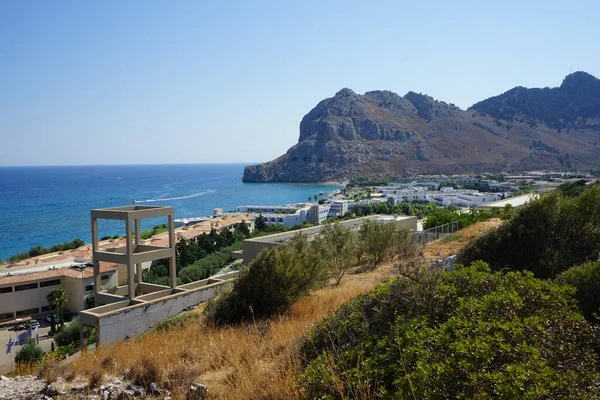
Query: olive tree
x=337 y=245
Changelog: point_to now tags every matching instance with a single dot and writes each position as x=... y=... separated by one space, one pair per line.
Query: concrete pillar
x=128 y=255
x=95 y=262
x=138 y=237
x=172 y=261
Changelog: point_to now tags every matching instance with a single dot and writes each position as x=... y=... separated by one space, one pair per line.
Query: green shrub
x=67 y=350
x=443 y=216
x=338 y=246
x=68 y=333
x=202 y=268
x=375 y=240
x=272 y=282
x=586 y=280
x=30 y=352
x=546 y=236
x=464 y=334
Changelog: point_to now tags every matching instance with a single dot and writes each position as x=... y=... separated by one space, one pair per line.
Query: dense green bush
x=198 y=257
x=208 y=265
x=69 y=333
x=443 y=216
x=586 y=280
x=191 y=250
x=30 y=352
x=272 y=282
x=547 y=236
x=462 y=334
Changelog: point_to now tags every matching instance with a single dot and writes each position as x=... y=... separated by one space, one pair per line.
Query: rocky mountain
x=381 y=134
x=568 y=106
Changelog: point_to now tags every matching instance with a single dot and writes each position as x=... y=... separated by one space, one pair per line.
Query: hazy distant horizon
x=132 y=164
x=194 y=82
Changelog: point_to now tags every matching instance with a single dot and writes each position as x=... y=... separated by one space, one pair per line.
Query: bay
x=42 y=206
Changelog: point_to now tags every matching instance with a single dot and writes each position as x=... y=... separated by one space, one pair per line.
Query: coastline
x=44 y=206
x=334 y=183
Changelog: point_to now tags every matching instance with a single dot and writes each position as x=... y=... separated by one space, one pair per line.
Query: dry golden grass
x=257 y=361
x=440 y=249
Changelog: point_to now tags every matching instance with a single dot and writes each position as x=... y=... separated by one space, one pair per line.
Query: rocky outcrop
x=570 y=105
x=34 y=388
x=381 y=134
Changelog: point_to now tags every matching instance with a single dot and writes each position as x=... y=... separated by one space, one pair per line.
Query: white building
x=338 y=208
x=444 y=197
x=23 y=290
x=295 y=214
x=280 y=215
x=410 y=195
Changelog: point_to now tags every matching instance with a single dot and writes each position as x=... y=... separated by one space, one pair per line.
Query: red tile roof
x=54 y=273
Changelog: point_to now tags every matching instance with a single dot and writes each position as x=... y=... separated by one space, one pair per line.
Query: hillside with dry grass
x=256 y=360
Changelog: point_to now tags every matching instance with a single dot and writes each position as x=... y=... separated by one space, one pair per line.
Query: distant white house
x=295 y=214
x=444 y=197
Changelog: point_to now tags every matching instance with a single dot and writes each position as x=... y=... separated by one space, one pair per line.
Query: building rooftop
x=71 y=272
x=515 y=202
x=85 y=252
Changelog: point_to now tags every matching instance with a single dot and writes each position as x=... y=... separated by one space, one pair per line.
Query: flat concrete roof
x=350 y=223
x=515 y=202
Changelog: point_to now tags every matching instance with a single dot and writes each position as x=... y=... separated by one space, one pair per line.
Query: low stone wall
x=127 y=319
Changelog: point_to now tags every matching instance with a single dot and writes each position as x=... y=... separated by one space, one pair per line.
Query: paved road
x=7 y=360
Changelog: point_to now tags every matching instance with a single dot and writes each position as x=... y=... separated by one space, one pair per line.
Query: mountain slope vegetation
x=383 y=135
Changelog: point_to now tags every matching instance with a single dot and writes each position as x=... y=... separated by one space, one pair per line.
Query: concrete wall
x=25 y=299
x=252 y=247
x=131 y=318
x=75 y=289
x=137 y=319
x=76 y=293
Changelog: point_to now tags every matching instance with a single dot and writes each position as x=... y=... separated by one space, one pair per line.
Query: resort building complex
x=23 y=290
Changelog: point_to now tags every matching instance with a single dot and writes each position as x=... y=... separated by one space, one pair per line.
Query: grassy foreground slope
x=253 y=360
x=463 y=334
x=404 y=329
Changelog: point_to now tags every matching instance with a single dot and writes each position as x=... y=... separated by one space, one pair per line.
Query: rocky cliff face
x=382 y=134
x=570 y=105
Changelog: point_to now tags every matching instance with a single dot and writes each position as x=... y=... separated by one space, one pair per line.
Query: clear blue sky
x=230 y=82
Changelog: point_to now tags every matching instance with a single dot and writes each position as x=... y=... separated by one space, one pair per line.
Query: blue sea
x=49 y=205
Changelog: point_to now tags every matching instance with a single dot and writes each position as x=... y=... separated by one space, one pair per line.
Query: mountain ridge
x=382 y=134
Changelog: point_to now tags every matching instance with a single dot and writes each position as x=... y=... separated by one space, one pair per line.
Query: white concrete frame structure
x=134 y=253
x=130 y=310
